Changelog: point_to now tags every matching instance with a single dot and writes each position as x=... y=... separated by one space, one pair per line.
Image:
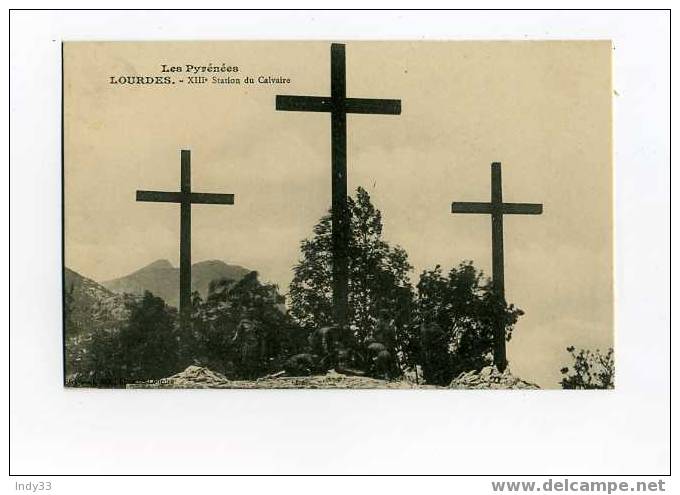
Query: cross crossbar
x=488 y=208
x=375 y=106
x=181 y=197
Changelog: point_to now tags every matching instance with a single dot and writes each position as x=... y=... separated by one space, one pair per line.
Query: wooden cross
x=496 y=208
x=338 y=105
x=185 y=197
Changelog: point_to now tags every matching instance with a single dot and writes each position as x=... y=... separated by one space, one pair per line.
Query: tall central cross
x=338 y=105
x=496 y=208
x=185 y=197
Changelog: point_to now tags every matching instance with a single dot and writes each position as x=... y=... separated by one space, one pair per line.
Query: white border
x=79 y=431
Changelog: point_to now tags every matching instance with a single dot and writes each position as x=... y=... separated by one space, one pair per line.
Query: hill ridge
x=161 y=278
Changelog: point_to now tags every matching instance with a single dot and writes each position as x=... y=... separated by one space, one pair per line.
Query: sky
x=542 y=109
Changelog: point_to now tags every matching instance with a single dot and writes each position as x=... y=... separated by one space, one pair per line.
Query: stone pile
x=192 y=377
x=490 y=378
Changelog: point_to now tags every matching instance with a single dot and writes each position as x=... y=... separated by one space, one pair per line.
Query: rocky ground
x=198 y=377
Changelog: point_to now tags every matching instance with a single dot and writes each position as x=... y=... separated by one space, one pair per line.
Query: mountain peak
x=209 y=263
x=158 y=265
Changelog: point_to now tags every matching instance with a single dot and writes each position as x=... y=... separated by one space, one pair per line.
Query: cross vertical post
x=497 y=268
x=185 y=241
x=340 y=230
x=185 y=197
x=497 y=208
x=339 y=106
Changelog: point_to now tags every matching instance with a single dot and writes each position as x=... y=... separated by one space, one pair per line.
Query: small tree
x=70 y=326
x=465 y=307
x=217 y=319
x=103 y=362
x=591 y=370
x=149 y=342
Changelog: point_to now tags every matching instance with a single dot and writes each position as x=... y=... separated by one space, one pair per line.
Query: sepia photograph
x=338 y=214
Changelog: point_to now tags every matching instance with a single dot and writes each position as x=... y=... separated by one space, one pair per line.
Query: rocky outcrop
x=92 y=307
x=490 y=378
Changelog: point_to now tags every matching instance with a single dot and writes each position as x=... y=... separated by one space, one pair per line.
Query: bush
x=457 y=314
x=145 y=347
x=591 y=370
